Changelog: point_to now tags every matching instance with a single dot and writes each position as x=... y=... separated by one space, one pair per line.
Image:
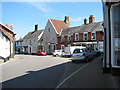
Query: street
x=30 y=71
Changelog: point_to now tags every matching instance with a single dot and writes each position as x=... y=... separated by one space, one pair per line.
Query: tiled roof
x=33 y=34
x=58 y=24
x=97 y=26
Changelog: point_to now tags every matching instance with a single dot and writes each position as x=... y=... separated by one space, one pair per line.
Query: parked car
x=82 y=54
x=58 y=53
x=69 y=50
x=96 y=52
x=40 y=52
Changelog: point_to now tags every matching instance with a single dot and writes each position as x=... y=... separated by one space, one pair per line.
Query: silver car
x=82 y=54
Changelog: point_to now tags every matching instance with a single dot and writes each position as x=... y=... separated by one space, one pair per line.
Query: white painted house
x=19 y=46
x=4 y=46
x=31 y=40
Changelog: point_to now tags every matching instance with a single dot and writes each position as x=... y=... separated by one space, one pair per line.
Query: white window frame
x=95 y=35
x=84 y=36
x=68 y=38
x=62 y=46
x=75 y=36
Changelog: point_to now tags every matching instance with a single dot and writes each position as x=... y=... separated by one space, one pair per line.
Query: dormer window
x=93 y=35
x=76 y=36
x=85 y=36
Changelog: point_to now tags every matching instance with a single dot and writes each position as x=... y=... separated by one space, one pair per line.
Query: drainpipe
x=109 y=20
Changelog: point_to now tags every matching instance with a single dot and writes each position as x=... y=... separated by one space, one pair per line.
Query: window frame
x=84 y=36
x=75 y=36
x=91 y=35
x=69 y=36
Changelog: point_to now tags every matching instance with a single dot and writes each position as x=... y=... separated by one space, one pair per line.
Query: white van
x=68 y=51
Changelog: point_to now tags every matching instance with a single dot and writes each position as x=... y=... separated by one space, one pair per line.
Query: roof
x=33 y=34
x=4 y=34
x=7 y=28
x=58 y=24
x=97 y=26
x=20 y=40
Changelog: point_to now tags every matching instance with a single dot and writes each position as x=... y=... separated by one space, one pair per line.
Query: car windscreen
x=78 y=51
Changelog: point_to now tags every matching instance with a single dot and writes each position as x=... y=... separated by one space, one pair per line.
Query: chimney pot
x=67 y=21
x=36 y=27
x=91 y=19
x=85 y=21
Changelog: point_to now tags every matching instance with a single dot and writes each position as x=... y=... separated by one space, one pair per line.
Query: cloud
x=42 y=7
x=77 y=19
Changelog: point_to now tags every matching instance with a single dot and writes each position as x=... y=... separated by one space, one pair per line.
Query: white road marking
x=71 y=75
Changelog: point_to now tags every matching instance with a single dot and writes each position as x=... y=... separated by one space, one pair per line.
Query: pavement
x=29 y=71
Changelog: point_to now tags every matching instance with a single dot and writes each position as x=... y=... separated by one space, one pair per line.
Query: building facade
x=8 y=31
x=111 y=11
x=89 y=34
x=30 y=41
x=52 y=30
x=19 y=46
x=4 y=46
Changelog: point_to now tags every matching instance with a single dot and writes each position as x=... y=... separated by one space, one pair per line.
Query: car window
x=78 y=51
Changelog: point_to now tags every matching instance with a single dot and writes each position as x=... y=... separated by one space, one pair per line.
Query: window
x=78 y=51
x=30 y=42
x=34 y=40
x=115 y=25
x=85 y=36
x=26 y=41
x=62 y=47
x=62 y=38
x=52 y=38
x=48 y=29
x=93 y=36
x=76 y=36
x=69 y=38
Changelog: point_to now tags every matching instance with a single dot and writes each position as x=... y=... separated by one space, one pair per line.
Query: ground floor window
x=62 y=47
x=115 y=35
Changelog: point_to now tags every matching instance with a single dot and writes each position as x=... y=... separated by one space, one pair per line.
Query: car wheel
x=73 y=61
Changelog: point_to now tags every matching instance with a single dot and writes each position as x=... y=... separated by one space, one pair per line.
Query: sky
x=24 y=15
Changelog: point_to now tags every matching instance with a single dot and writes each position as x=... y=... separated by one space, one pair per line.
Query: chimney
x=36 y=27
x=67 y=21
x=85 y=21
x=91 y=19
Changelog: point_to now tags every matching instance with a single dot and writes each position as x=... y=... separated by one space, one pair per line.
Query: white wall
x=4 y=46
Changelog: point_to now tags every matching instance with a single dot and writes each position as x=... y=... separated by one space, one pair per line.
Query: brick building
x=88 y=34
x=7 y=29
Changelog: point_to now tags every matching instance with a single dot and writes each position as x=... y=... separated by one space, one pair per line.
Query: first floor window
x=85 y=36
x=77 y=37
x=69 y=38
x=93 y=35
x=62 y=39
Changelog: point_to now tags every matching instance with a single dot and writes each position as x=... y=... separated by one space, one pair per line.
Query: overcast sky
x=24 y=15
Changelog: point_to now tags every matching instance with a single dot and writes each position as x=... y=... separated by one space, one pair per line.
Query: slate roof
x=58 y=24
x=20 y=40
x=97 y=26
x=33 y=34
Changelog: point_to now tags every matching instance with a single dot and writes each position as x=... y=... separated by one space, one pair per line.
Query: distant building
x=52 y=30
x=8 y=35
x=111 y=61
x=89 y=34
x=30 y=41
x=19 y=46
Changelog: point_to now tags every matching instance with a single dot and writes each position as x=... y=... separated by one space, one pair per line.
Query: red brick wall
x=98 y=36
x=80 y=36
x=89 y=35
x=65 y=43
x=11 y=37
